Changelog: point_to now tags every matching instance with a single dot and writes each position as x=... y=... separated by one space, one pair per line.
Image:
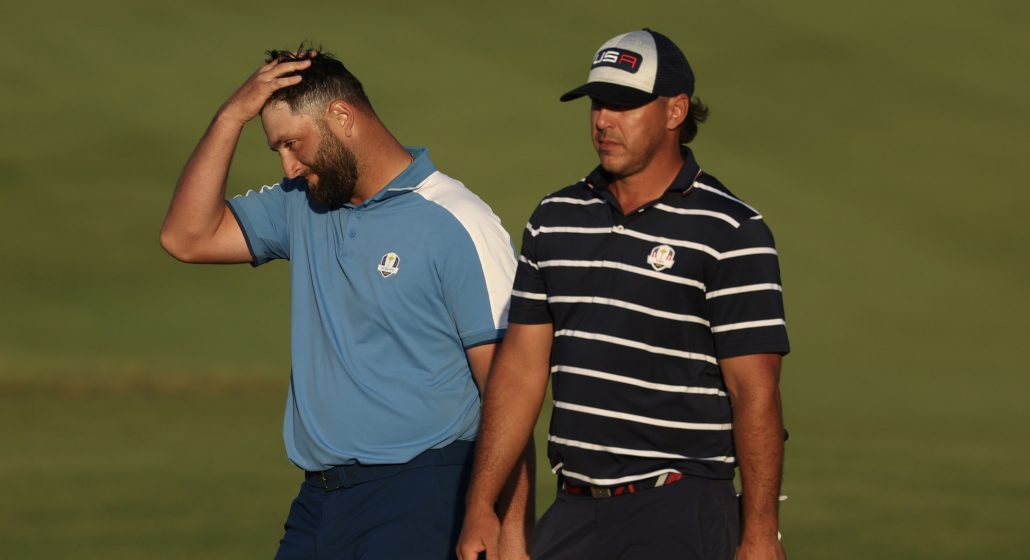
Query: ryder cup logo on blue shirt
x=662 y=257
x=389 y=264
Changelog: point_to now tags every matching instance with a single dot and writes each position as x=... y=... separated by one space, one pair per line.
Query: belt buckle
x=600 y=492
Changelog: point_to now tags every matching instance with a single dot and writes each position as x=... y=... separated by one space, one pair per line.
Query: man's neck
x=640 y=188
x=381 y=160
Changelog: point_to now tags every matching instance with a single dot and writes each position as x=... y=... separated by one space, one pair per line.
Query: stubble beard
x=626 y=161
x=337 y=171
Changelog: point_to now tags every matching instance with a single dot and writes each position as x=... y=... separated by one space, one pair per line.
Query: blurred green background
x=885 y=142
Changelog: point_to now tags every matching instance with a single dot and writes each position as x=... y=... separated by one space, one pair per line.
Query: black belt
x=631 y=488
x=345 y=476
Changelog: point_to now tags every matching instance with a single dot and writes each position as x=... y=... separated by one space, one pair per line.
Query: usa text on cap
x=636 y=68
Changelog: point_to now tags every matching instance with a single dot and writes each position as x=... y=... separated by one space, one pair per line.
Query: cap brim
x=613 y=94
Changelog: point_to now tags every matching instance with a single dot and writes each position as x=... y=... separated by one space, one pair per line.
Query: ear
x=676 y=111
x=340 y=117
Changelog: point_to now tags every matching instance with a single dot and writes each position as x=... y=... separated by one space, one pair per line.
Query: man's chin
x=333 y=198
x=611 y=165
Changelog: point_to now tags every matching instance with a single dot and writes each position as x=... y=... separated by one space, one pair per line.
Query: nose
x=602 y=118
x=291 y=167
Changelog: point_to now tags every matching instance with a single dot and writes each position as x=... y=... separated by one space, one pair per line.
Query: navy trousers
x=693 y=518
x=411 y=511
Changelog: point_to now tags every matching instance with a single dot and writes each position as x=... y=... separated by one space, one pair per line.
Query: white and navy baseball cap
x=636 y=68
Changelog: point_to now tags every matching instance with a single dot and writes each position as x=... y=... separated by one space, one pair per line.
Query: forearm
x=510 y=410
x=516 y=504
x=516 y=507
x=758 y=437
x=512 y=399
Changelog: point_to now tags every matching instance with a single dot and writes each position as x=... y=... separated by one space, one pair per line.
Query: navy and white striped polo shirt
x=644 y=306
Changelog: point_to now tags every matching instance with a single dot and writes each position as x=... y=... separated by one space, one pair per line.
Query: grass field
x=141 y=399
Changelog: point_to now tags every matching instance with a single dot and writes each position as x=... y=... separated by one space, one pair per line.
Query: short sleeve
x=529 y=294
x=262 y=216
x=476 y=275
x=744 y=296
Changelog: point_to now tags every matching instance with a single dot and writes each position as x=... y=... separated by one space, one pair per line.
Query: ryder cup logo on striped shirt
x=389 y=265
x=618 y=58
x=662 y=257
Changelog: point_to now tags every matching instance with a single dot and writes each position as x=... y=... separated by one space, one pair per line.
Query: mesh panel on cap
x=674 y=73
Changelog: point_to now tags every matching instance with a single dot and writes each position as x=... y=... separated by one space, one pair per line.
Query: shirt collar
x=599 y=179
x=417 y=171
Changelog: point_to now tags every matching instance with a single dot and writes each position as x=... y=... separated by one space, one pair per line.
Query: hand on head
x=280 y=71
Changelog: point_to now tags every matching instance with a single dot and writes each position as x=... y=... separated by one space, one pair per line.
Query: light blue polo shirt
x=386 y=297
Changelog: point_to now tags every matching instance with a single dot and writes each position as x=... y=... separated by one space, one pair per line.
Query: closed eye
x=284 y=144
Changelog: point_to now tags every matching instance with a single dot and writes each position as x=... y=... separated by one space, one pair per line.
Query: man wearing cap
x=651 y=296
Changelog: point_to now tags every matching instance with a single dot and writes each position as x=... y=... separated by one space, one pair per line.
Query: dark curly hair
x=326 y=80
x=697 y=114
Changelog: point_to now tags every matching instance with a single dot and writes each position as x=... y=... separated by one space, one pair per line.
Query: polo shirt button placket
x=618 y=229
x=353 y=233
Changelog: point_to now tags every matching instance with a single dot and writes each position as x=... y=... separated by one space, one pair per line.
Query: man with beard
x=400 y=279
